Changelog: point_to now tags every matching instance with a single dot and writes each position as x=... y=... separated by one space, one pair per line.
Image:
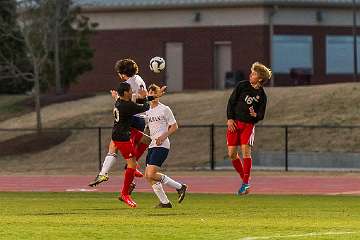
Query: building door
x=174 y=66
x=222 y=63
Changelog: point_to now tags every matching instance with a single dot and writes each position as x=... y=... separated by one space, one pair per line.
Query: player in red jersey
x=246 y=107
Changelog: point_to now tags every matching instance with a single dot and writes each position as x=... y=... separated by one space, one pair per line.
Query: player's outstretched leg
x=164 y=205
x=180 y=188
x=160 y=193
x=181 y=192
x=109 y=161
x=132 y=187
x=128 y=200
x=125 y=197
x=137 y=173
x=99 y=179
x=244 y=189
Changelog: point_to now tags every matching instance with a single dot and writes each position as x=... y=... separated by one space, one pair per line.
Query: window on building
x=292 y=51
x=340 y=54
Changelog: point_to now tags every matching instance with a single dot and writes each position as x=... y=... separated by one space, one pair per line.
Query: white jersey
x=159 y=119
x=136 y=83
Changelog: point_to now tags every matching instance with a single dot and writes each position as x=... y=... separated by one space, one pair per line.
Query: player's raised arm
x=135 y=108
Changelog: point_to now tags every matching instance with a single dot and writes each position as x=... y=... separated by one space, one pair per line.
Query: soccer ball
x=157 y=64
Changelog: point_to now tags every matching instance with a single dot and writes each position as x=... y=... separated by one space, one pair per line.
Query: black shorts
x=156 y=156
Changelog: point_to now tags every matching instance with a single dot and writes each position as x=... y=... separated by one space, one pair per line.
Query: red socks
x=139 y=150
x=238 y=167
x=128 y=179
x=247 y=168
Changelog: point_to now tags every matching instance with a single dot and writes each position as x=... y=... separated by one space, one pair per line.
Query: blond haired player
x=246 y=107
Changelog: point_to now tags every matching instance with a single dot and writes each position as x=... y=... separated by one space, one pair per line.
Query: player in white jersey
x=126 y=70
x=162 y=124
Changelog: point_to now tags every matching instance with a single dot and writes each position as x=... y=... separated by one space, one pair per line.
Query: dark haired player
x=121 y=134
x=127 y=71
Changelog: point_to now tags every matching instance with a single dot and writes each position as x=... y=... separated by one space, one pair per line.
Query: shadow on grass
x=166 y=214
x=73 y=212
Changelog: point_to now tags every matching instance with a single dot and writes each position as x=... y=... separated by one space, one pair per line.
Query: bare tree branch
x=34 y=19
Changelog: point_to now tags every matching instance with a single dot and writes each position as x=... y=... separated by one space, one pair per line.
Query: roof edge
x=196 y=6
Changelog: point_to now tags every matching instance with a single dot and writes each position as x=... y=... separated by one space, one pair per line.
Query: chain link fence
x=193 y=147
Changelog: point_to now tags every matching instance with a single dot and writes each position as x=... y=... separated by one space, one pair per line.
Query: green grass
x=201 y=216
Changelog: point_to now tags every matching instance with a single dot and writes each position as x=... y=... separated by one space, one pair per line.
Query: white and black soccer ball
x=157 y=64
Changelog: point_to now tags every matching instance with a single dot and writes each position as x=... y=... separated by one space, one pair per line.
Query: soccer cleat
x=128 y=200
x=181 y=192
x=244 y=189
x=132 y=187
x=138 y=174
x=99 y=179
x=164 y=205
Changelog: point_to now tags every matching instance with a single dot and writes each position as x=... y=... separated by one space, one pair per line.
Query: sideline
x=299 y=235
x=268 y=185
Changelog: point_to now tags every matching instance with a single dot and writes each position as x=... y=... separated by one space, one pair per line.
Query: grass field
x=200 y=216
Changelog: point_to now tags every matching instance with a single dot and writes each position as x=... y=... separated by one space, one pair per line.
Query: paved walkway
x=307 y=185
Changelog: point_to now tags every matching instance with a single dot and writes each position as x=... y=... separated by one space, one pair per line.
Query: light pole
x=355 y=40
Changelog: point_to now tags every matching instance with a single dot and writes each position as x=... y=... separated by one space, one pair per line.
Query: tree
x=34 y=20
x=31 y=34
x=72 y=34
x=34 y=33
x=30 y=31
x=15 y=74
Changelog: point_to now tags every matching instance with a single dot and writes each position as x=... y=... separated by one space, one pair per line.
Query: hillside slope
x=325 y=104
x=336 y=104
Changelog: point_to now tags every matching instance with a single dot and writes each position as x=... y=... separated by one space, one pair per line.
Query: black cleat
x=182 y=192
x=132 y=187
x=164 y=205
x=99 y=179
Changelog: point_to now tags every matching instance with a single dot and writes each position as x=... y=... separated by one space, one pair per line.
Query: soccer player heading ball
x=127 y=71
x=246 y=107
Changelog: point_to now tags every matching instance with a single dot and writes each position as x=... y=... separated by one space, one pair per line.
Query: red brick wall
x=248 y=45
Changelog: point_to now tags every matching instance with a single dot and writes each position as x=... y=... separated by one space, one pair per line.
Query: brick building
x=206 y=43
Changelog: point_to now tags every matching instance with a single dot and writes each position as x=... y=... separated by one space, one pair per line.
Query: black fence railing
x=305 y=145
x=353 y=137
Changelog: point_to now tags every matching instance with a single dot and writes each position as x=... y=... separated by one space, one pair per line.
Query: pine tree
x=75 y=54
x=15 y=74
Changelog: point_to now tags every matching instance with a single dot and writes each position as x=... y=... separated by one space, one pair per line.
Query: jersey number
x=248 y=99
x=116 y=114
